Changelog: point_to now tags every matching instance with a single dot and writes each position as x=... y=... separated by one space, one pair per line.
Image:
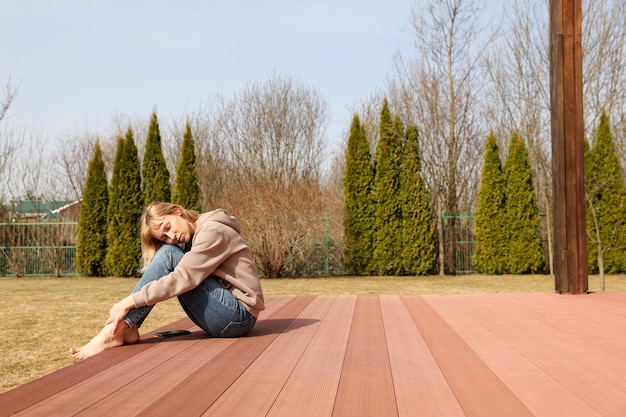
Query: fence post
x=442 y=250
x=327 y=247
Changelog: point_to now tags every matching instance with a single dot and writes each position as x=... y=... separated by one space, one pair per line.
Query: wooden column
x=570 y=240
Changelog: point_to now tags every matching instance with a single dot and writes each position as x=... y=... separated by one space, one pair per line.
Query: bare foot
x=131 y=336
x=110 y=336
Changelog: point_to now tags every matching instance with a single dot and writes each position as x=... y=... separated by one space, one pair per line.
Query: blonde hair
x=152 y=218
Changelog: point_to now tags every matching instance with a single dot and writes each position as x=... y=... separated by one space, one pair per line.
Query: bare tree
x=439 y=90
x=604 y=60
x=368 y=110
x=8 y=142
x=9 y=94
x=604 y=68
x=71 y=161
x=211 y=151
x=32 y=164
x=519 y=95
x=274 y=132
x=260 y=156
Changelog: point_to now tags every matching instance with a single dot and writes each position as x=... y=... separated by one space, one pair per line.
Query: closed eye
x=164 y=228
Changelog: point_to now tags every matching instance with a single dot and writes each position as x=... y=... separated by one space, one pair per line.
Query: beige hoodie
x=217 y=248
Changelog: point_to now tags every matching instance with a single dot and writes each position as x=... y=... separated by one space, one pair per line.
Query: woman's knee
x=168 y=255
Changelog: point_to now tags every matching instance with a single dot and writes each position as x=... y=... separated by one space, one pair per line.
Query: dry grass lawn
x=42 y=317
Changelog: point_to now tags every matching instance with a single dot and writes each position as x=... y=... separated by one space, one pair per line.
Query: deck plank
x=543 y=394
x=312 y=387
x=420 y=387
x=90 y=391
x=366 y=384
x=580 y=384
x=383 y=355
x=571 y=355
x=47 y=386
x=199 y=391
x=262 y=382
x=479 y=391
x=132 y=397
x=100 y=376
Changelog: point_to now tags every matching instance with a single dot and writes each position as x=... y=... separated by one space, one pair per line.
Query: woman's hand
x=120 y=309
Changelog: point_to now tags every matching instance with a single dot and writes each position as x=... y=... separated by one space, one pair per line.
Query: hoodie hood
x=220 y=216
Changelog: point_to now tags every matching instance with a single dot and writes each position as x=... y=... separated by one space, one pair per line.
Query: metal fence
x=323 y=258
x=38 y=248
x=458 y=241
x=49 y=249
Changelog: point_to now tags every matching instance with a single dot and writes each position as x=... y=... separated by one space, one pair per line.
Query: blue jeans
x=211 y=306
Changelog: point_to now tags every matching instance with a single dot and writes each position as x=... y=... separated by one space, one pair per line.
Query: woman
x=202 y=259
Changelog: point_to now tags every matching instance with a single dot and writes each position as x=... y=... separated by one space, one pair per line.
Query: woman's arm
x=209 y=250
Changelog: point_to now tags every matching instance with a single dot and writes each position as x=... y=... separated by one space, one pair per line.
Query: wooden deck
x=498 y=355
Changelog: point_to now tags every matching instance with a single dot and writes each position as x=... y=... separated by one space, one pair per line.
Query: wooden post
x=570 y=240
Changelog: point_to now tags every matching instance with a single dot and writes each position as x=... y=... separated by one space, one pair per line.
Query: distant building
x=45 y=211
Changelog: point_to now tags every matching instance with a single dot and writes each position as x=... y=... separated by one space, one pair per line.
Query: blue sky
x=79 y=63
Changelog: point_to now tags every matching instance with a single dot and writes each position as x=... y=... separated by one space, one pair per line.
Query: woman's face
x=174 y=230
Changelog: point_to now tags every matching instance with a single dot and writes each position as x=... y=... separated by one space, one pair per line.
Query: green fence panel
x=38 y=248
x=49 y=248
x=458 y=240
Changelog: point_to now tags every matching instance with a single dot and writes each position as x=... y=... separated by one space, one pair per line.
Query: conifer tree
x=419 y=254
x=388 y=220
x=125 y=208
x=604 y=182
x=359 y=207
x=490 y=231
x=92 y=224
x=525 y=252
x=112 y=209
x=186 y=190
x=156 y=177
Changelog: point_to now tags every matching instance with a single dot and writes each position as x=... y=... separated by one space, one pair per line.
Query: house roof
x=47 y=210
